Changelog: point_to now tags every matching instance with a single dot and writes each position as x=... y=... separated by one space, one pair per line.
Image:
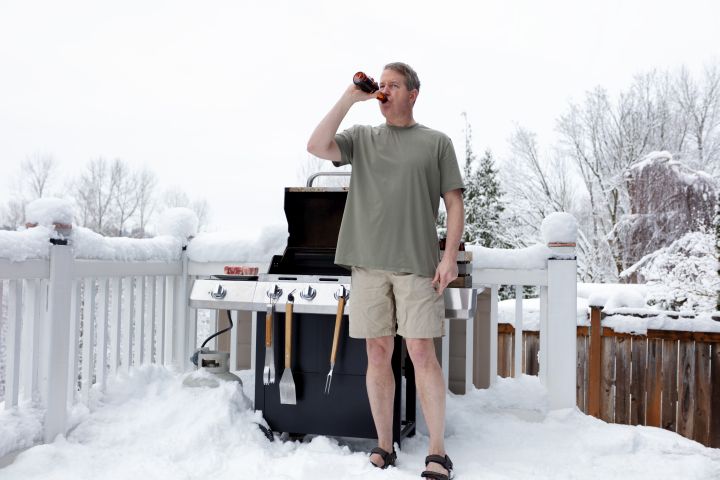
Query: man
x=401 y=169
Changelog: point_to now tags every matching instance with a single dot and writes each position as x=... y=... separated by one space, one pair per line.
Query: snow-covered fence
x=657 y=377
x=79 y=312
x=80 y=307
x=552 y=268
x=72 y=322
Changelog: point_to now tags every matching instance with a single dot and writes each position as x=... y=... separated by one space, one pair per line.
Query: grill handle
x=312 y=177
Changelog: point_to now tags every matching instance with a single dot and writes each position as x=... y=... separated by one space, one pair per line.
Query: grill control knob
x=219 y=293
x=342 y=292
x=274 y=293
x=308 y=293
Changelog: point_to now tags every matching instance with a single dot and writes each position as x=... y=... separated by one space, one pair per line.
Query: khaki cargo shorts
x=383 y=302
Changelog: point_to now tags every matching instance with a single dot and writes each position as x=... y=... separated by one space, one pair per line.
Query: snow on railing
x=81 y=307
x=552 y=268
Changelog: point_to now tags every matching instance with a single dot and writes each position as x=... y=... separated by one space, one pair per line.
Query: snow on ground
x=149 y=426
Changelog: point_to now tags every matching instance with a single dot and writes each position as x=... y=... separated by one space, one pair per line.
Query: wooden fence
x=668 y=379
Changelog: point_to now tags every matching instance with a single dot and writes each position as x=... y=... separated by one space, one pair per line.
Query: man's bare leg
x=381 y=391
x=431 y=389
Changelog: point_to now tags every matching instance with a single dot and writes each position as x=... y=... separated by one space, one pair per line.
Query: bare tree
x=13 y=215
x=536 y=187
x=202 y=210
x=126 y=197
x=147 y=181
x=700 y=106
x=175 y=197
x=94 y=192
x=37 y=172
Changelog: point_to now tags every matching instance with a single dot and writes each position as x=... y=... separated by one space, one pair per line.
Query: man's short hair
x=412 y=82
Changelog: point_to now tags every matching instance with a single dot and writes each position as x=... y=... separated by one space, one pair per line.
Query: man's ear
x=414 y=94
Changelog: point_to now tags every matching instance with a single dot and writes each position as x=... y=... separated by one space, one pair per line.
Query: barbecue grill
x=306 y=270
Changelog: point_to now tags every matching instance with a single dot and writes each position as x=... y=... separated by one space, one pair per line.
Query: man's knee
x=379 y=350
x=422 y=352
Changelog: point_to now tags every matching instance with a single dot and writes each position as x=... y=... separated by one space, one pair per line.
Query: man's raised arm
x=322 y=141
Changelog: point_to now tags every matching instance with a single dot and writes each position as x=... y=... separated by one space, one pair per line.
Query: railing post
x=561 y=333
x=486 y=338
x=58 y=322
x=595 y=362
x=518 y=340
x=180 y=317
x=12 y=361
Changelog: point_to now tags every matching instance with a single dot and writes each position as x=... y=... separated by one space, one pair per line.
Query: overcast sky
x=220 y=97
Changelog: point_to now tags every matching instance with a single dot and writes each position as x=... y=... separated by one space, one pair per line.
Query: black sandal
x=446 y=464
x=388 y=457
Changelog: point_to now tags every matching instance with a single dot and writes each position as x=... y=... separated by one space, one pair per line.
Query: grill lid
x=314 y=216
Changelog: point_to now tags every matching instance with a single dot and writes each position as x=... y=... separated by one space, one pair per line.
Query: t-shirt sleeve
x=345 y=142
x=450 y=178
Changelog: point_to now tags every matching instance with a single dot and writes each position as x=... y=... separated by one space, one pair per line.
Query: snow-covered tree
x=484 y=205
x=717 y=248
x=682 y=274
x=667 y=199
x=600 y=138
x=482 y=197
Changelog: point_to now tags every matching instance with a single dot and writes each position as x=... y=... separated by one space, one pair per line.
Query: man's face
x=400 y=100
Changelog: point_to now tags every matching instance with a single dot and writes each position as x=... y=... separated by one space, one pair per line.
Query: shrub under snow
x=683 y=274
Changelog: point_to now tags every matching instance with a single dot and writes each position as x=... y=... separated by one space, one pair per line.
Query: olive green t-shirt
x=398 y=177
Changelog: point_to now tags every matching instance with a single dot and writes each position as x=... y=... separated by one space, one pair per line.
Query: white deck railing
x=557 y=287
x=73 y=322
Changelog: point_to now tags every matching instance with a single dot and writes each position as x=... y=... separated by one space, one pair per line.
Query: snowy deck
x=148 y=425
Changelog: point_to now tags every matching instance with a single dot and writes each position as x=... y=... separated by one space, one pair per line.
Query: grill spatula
x=287 y=382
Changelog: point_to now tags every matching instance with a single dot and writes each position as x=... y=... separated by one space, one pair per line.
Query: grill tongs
x=341 y=296
x=269 y=370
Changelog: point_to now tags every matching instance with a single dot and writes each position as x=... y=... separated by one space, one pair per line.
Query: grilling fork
x=269 y=370
x=336 y=336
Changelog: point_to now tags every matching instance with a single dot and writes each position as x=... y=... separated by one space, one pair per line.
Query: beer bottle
x=367 y=84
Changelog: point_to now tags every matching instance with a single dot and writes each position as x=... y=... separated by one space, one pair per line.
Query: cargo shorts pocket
x=372 y=307
x=420 y=310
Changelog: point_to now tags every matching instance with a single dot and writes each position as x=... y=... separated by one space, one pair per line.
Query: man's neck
x=408 y=121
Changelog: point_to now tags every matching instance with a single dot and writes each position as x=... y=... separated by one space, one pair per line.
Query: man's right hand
x=354 y=93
